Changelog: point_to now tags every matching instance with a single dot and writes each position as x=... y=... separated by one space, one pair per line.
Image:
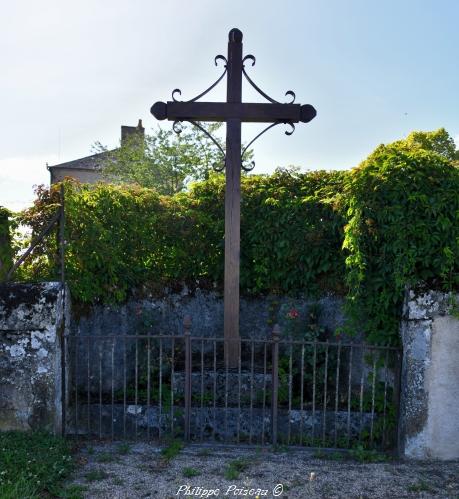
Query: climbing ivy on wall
x=402 y=230
x=367 y=233
x=6 y=252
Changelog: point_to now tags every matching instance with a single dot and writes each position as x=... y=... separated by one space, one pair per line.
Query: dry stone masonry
x=31 y=320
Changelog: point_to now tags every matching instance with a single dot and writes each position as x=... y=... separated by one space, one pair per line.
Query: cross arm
x=223 y=111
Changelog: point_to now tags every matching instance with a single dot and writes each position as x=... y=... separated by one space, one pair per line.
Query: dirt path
x=119 y=471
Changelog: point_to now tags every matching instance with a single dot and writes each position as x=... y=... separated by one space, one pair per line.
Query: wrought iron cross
x=234 y=112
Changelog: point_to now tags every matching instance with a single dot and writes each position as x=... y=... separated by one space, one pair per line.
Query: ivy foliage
x=6 y=250
x=291 y=233
x=402 y=210
x=125 y=237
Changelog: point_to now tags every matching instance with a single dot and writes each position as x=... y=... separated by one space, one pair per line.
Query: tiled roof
x=93 y=162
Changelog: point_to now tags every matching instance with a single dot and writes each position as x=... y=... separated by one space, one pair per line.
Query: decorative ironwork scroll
x=251 y=57
x=245 y=165
x=177 y=125
x=218 y=57
x=234 y=112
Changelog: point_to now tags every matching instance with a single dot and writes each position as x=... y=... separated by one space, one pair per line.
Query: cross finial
x=235 y=35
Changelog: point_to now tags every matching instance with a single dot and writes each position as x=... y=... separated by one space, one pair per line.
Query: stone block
x=429 y=417
x=31 y=317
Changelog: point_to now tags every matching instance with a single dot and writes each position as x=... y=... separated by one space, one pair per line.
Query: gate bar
x=187 y=334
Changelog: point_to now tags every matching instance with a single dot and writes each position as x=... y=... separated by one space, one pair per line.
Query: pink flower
x=293 y=314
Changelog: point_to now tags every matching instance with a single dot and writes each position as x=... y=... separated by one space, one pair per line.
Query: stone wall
x=164 y=315
x=33 y=317
x=429 y=422
x=31 y=322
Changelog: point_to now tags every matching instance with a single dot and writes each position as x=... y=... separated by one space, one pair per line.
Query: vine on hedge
x=402 y=230
x=121 y=238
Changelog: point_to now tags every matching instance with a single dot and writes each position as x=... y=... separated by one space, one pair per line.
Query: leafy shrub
x=125 y=237
x=403 y=230
x=6 y=252
x=291 y=234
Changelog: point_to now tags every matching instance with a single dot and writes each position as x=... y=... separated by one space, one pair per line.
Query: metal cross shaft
x=233 y=112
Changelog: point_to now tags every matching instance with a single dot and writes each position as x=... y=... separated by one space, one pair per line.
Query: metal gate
x=328 y=394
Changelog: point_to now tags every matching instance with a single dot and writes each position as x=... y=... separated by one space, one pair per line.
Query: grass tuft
x=105 y=457
x=123 y=448
x=96 y=475
x=236 y=467
x=189 y=472
x=360 y=454
x=172 y=450
x=421 y=486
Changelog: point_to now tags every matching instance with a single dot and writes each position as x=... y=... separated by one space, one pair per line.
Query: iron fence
x=329 y=394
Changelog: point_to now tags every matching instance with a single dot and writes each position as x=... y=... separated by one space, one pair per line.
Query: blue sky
x=74 y=72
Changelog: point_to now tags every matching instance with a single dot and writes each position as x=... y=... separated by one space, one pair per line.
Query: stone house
x=89 y=169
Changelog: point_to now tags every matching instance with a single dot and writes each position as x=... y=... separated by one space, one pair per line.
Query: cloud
x=18 y=176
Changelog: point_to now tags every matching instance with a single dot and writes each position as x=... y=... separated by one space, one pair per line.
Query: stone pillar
x=429 y=410
x=31 y=329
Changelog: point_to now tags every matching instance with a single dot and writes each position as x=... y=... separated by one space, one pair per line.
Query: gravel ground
x=120 y=470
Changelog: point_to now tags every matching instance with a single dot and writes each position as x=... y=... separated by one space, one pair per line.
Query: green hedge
x=402 y=230
x=121 y=238
x=6 y=252
x=366 y=233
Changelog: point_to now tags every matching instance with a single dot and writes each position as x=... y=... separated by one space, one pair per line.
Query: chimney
x=127 y=132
